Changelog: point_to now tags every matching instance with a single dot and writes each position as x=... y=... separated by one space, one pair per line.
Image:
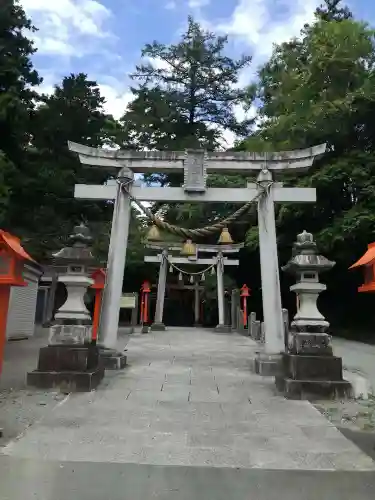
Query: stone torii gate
x=196 y=165
x=219 y=261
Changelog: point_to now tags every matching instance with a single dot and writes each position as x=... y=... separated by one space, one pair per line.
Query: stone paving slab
x=189 y=399
x=26 y=479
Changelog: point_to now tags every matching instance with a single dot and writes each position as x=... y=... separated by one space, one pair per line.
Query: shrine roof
x=14 y=244
x=367 y=258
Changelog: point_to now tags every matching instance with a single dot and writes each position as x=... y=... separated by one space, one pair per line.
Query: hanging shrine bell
x=189 y=249
x=245 y=292
x=367 y=261
x=225 y=237
x=153 y=234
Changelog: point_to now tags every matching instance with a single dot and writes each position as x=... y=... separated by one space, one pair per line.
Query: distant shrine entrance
x=183 y=269
x=179 y=305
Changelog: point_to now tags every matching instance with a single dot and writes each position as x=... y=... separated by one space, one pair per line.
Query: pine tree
x=190 y=99
x=331 y=10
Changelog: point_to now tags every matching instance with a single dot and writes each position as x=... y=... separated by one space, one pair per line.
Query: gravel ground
x=355 y=419
x=22 y=406
x=356 y=415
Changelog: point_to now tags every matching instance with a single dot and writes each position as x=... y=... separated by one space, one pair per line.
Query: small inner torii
x=190 y=254
x=196 y=165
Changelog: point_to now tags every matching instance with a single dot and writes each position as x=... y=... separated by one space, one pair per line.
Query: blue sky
x=103 y=38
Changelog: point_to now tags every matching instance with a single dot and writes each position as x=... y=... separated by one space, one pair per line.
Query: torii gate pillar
x=110 y=310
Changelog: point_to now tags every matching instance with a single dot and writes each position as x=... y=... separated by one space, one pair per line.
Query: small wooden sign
x=127 y=301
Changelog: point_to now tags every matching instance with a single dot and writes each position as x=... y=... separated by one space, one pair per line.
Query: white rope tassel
x=180 y=278
x=191 y=279
x=203 y=277
x=171 y=268
x=213 y=272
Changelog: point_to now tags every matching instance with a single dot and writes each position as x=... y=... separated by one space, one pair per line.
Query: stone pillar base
x=127 y=330
x=223 y=329
x=312 y=377
x=112 y=359
x=157 y=327
x=70 y=368
x=267 y=365
x=313 y=389
x=66 y=381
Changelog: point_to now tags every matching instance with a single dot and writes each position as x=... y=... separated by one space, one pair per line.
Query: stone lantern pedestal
x=309 y=369
x=71 y=361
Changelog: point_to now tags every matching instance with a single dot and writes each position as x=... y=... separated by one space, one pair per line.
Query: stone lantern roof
x=305 y=256
x=79 y=249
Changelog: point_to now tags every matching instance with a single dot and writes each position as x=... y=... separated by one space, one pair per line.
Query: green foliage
x=210 y=287
x=320 y=88
x=43 y=208
x=189 y=100
x=17 y=79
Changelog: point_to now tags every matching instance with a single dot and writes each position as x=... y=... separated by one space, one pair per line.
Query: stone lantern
x=73 y=320
x=306 y=265
x=71 y=361
x=309 y=368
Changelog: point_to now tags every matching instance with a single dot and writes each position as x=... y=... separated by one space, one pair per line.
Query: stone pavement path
x=188 y=398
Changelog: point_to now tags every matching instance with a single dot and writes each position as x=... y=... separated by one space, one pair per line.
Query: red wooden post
x=146 y=290
x=142 y=305
x=12 y=258
x=99 y=282
x=245 y=292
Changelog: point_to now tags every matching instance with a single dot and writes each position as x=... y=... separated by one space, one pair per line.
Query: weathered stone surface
x=240 y=325
x=68 y=358
x=112 y=359
x=313 y=389
x=69 y=334
x=69 y=381
x=262 y=333
x=157 y=327
x=312 y=367
x=71 y=368
x=311 y=343
x=267 y=365
x=255 y=330
x=223 y=329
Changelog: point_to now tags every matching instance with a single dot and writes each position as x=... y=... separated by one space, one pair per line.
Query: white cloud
x=255 y=23
x=157 y=63
x=170 y=5
x=117 y=100
x=117 y=96
x=65 y=25
x=196 y=4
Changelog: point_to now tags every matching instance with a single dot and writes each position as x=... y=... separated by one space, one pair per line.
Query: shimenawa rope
x=198 y=232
